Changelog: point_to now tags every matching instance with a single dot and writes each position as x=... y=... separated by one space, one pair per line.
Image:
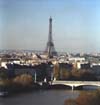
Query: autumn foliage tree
x=85 y=98
x=24 y=80
x=62 y=73
x=89 y=98
x=83 y=75
x=56 y=71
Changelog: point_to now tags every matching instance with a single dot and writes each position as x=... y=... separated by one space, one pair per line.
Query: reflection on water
x=46 y=97
x=90 y=87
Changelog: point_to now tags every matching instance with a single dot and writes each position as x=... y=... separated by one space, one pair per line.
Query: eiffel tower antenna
x=50 y=49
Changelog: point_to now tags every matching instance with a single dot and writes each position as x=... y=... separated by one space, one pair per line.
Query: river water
x=41 y=97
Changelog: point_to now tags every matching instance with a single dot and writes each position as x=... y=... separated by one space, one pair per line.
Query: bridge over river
x=76 y=83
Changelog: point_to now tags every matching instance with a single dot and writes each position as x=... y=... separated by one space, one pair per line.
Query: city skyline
x=24 y=24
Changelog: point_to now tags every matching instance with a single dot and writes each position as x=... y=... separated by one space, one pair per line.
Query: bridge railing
x=77 y=82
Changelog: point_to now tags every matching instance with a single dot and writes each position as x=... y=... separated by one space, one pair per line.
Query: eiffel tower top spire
x=50 y=50
x=50 y=30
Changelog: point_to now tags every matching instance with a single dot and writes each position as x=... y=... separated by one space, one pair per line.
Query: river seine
x=44 y=97
x=41 y=97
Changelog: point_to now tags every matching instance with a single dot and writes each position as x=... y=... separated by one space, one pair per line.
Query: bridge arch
x=62 y=86
x=77 y=85
x=87 y=86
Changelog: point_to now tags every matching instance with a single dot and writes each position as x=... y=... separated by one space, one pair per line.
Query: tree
x=85 y=98
x=76 y=74
x=65 y=74
x=83 y=75
x=56 y=71
x=88 y=98
x=3 y=75
x=24 y=80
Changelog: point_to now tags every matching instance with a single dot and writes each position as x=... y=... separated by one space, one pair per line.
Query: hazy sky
x=76 y=24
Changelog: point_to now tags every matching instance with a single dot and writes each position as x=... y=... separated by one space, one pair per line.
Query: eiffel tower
x=50 y=49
